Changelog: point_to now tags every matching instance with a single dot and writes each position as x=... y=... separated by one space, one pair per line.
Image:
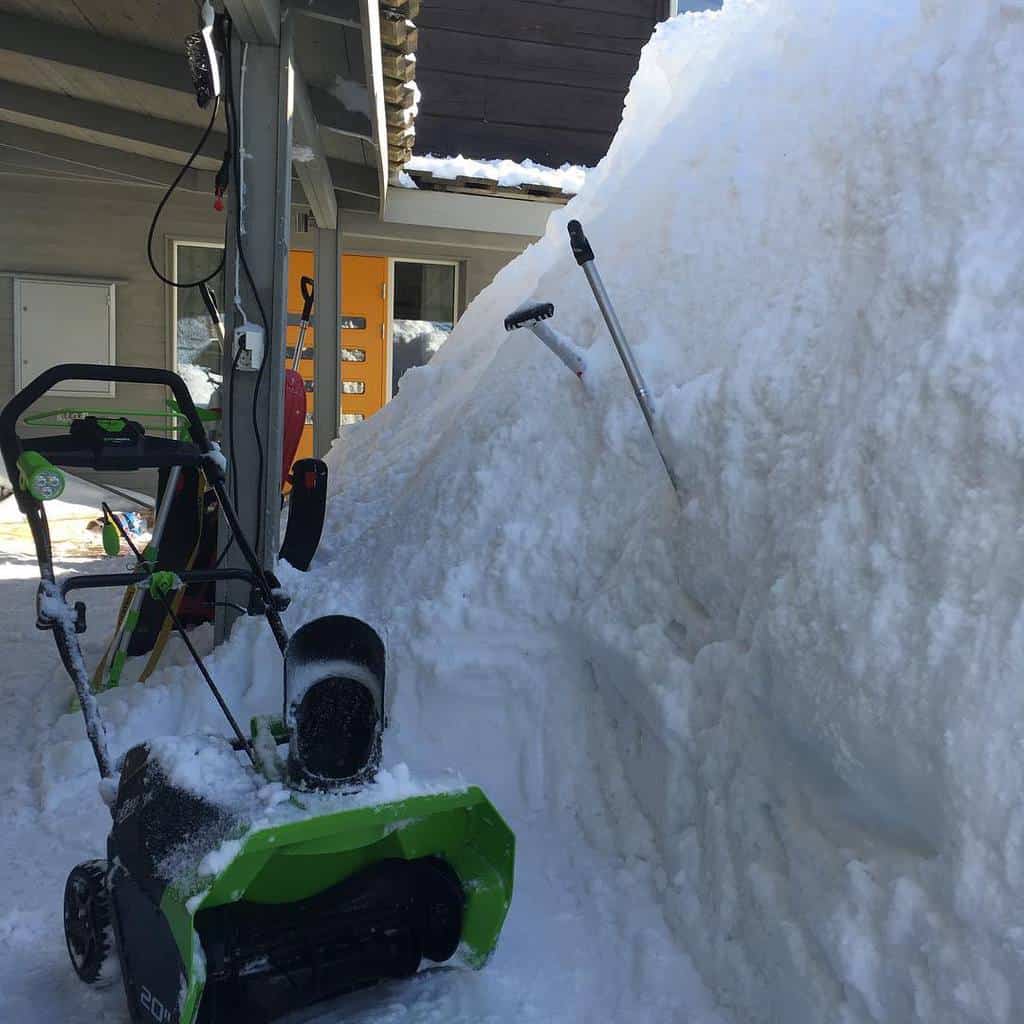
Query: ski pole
x=160 y=585
x=585 y=258
x=123 y=635
x=533 y=317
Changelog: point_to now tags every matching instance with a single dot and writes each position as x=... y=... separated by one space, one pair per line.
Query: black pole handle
x=211 y=308
x=580 y=246
x=308 y=288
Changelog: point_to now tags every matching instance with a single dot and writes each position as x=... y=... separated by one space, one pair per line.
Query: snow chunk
x=569 y=178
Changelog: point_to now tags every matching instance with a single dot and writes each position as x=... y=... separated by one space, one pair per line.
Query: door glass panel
x=196 y=345
x=423 y=314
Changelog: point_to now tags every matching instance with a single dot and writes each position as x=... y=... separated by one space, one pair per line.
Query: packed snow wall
x=800 y=694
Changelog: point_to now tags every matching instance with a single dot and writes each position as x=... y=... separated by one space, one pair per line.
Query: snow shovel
x=585 y=258
x=533 y=317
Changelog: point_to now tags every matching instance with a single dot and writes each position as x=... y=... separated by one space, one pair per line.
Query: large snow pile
x=811 y=222
x=779 y=727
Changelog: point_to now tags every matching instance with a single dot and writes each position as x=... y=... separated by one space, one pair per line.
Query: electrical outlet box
x=249 y=346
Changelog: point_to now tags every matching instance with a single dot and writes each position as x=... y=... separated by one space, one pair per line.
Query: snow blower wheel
x=87 y=922
x=441 y=900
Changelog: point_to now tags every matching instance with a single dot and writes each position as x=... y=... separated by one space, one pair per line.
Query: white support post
x=327 y=360
x=265 y=107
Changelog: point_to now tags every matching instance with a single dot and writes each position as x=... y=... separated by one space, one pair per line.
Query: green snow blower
x=224 y=909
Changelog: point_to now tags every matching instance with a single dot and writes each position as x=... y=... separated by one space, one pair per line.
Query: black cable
x=163 y=202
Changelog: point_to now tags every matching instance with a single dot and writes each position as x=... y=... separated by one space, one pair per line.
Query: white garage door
x=63 y=321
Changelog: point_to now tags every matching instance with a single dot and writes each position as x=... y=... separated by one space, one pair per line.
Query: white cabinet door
x=63 y=322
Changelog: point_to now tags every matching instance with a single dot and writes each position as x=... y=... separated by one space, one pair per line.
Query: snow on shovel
x=533 y=316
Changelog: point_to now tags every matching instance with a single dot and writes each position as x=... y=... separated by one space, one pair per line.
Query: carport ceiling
x=112 y=73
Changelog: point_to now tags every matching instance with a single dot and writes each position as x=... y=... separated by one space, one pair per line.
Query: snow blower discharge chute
x=218 y=911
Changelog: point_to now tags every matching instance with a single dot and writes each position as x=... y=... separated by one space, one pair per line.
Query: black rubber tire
x=87 y=921
x=441 y=902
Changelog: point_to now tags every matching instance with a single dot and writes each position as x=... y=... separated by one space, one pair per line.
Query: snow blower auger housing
x=317 y=882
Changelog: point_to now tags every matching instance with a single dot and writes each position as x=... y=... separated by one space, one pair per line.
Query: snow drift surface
x=779 y=727
x=810 y=220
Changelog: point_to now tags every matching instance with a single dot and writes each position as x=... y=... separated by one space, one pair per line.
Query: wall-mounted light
x=203 y=58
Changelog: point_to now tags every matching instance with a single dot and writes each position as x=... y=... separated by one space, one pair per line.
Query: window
x=422 y=315
x=197 y=351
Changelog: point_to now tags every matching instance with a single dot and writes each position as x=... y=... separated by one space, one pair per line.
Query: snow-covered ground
x=777 y=727
x=584 y=933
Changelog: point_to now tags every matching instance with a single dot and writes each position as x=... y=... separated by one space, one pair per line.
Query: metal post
x=327 y=351
x=265 y=103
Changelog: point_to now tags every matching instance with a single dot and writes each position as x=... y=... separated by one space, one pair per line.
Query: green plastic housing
x=299 y=859
x=40 y=477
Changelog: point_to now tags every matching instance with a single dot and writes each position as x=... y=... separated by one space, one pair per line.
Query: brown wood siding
x=527 y=78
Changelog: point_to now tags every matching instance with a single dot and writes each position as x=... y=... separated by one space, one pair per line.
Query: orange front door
x=363 y=336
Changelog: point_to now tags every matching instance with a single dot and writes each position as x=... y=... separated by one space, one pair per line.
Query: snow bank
x=570 y=178
x=810 y=220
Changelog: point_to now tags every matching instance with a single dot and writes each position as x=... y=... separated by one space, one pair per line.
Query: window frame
x=389 y=328
x=173 y=244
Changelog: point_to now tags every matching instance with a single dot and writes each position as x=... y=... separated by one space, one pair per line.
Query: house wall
x=71 y=228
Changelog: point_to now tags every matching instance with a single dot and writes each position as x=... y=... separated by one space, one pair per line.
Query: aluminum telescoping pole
x=585 y=258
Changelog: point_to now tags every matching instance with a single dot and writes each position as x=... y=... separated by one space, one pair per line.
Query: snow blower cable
x=179 y=627
x=185 y=167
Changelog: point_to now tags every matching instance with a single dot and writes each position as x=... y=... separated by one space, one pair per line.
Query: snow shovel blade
x=306 y=509
x=325 y=887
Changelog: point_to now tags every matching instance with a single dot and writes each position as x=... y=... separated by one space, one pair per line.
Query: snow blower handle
x=580 y=246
